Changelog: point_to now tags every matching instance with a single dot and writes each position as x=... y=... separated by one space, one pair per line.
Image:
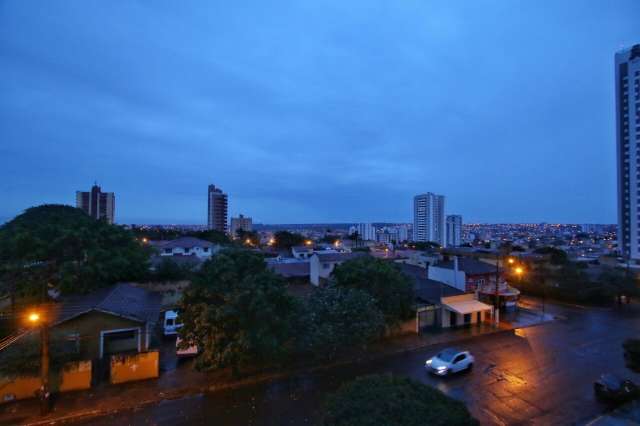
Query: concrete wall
x=128 y=368
x=74 y=376
x=455 y=279
x=407 y=327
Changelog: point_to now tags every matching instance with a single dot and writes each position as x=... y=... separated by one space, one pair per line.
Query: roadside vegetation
x=560 y=279
x=241 y=316
x=389 y=400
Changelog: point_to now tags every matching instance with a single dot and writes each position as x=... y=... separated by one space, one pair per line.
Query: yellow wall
x=75 y=376
x=127 y=368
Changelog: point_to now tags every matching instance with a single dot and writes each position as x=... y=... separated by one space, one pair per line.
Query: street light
x=308 y=242
x=511 y=261
x=519 y=271
x=36 y=320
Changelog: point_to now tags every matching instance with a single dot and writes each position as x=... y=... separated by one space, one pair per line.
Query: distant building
x=240 y=222
x=97 y=204
x=428 y=218
x=186 y=246
x=366 y=232
x=627 y=63
x=454 y=230
x=217 y=209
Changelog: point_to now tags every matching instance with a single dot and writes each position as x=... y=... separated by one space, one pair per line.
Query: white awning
x=467 y=306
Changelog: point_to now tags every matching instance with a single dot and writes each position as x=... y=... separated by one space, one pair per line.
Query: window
x=459 y=358
x=205 y=249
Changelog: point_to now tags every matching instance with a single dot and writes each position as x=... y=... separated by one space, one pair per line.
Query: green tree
x=286 y=239
x=391 y=289
x=251 y=237
x=557 y=256
x=211 y=235
x=170 y=270
x=619 y=283
x=388 y=400
x=335 y=318
x=60 y=246
x=237 y=312
x=632 y=354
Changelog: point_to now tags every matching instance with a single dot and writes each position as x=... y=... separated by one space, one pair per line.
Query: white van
x=171 y=323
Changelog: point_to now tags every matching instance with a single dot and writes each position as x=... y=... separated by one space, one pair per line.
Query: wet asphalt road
x=540 y=375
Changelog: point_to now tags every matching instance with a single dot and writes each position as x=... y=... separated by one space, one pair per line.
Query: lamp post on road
x=35 y=318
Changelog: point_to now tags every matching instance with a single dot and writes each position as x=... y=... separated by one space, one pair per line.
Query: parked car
x=610 y=388
x=171 y=323
x=450 y=361
x=190 y=351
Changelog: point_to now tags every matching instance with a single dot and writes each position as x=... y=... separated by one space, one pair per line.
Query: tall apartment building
x=217 y=209
x=97 y=204
x=627 y=63
x=428 y=218
x=366 y=231
x=240 y=222
x=454 y=230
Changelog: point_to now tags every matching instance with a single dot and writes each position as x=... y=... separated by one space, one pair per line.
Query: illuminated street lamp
x=308 y=242
x=248 y=241
x=35 y=319
x=145 y=240
x=511 y=261
x=519 y=271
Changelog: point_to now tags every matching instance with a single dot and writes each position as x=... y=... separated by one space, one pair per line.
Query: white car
x=171 y=323
x=450 y=361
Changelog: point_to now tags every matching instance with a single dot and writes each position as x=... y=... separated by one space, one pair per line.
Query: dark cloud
x=313 y=111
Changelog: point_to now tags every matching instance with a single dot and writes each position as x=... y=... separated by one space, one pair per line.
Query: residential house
x=472 y=275
x=302 y=252
x=322 y=264
x=186 y=246
x=114 y=320
x=440 y=305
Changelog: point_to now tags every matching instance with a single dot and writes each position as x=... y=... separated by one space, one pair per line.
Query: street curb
x=190 y=392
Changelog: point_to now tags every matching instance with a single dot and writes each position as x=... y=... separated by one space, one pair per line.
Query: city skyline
x=296 y=138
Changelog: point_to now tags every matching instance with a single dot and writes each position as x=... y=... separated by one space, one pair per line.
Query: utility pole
x=497 y=302
x=44 y=369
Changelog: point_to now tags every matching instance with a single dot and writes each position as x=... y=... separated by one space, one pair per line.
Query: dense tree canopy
x=60 y=246
x=237 y=312
x=389 y=400
x=391 y=289
x=335 y=318
x=557 y=256
x=286 y=239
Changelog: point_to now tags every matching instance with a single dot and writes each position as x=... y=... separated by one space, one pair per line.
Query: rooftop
x=426 y=290
x=123 y=300
x=468 y=266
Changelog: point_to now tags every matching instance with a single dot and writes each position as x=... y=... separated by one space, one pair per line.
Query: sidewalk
x=185 y=381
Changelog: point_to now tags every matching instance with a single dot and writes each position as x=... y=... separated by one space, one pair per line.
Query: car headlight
x=428 y=362
x=441 y=369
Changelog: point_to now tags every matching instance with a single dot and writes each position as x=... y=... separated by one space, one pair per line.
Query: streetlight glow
x=34 y=317
x=511 y=260
x=519 y=270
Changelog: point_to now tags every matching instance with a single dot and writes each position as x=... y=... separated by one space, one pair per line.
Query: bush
x=388 y=400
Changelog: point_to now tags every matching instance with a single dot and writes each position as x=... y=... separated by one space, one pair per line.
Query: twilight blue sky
x=313 y=111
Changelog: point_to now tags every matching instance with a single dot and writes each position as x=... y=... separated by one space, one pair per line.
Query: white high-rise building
x=366 y=232
x=238 y=223
x=428 y=218
x=217 y=209
x=628 y=155
x=454 y=230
